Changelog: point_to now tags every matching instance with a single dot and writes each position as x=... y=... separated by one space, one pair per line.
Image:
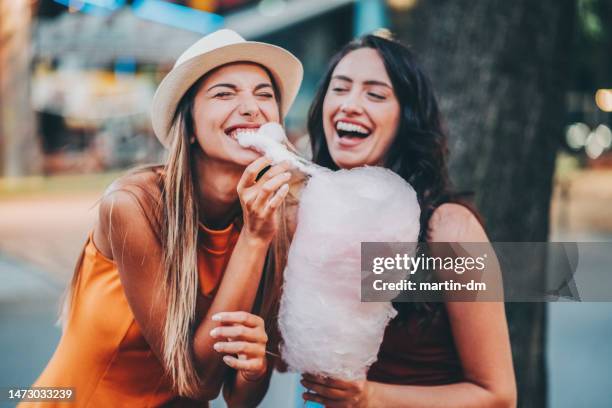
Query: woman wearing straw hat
x=164 y=303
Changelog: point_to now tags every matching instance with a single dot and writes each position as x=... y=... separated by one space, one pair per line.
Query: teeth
x=350 y=127
x=234 y=133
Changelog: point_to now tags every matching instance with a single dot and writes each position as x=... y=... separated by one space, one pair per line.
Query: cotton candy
x=326 y=329
x=271 y=140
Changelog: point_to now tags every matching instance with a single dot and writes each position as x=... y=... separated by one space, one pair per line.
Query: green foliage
x=589 y=19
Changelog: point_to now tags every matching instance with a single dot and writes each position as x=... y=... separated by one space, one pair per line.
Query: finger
x=278 y=198
x=250 y=173
x=240 y=317
x=262 y=172
x=326 y=381
x=240 y=333
x=268 y=188
x=318 y=399
x=254 y=364
x=323 y=391
x=274 y=170
x=250 y=350
x=251 y=192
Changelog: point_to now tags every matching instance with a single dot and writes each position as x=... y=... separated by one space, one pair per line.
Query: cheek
x=271 y=111
x=204 y=131
x=388 y=122
x=208 y=128
x=205 y=115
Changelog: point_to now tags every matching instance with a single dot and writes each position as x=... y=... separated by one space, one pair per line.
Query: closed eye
x=223 y=94
x=376 y=96
x=339 y=89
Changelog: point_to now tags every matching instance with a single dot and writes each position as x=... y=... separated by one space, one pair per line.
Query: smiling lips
x=348 y=129
x=351 y=134
x=233 y=131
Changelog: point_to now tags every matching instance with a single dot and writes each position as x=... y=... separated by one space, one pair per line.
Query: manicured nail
x=227 y=359
x=216 y=317
x=214 y=332
x=217 y=346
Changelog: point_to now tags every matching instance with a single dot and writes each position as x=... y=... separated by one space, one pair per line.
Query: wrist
x=371 y=400
x=256 y=242
x=251 y=376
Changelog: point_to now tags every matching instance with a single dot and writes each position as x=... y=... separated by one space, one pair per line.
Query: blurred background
x=525 y=86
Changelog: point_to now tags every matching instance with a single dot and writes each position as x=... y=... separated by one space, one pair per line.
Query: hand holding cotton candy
x=271 y=141
x=326 y=329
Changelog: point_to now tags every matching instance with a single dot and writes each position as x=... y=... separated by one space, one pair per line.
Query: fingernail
x=227 y=359
x=216 y=317
x=214 y=332
x=284 y=187
x=217 y=346
x=286 y=174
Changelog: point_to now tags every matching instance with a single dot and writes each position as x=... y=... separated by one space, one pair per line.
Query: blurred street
x=41 y=236
x=40 y=240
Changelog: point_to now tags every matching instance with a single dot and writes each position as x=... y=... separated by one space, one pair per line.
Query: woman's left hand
x=333 y=393
x=243 y=340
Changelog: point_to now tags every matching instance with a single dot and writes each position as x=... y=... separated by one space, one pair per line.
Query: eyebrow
x=368 y=82
x=234 y=87
x=264 y=85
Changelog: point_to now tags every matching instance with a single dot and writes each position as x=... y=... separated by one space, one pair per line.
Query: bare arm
x=481 y=337
x=135 y=247
x=243 y=334
x=126 y=233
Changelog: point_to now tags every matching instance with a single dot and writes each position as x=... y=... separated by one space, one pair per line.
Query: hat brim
x=284 y=67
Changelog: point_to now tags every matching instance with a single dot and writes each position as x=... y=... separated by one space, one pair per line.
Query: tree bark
x=500 y=71
x=20 y=152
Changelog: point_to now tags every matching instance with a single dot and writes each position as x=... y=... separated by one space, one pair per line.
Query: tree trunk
x=499 y=69
x=19 y=147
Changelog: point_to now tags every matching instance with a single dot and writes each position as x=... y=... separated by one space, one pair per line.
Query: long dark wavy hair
x=419 y=151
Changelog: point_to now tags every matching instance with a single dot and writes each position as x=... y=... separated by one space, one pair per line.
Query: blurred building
x=77 y=99
x=96 y=65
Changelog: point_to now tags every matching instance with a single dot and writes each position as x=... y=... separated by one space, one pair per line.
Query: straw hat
x=212 y=51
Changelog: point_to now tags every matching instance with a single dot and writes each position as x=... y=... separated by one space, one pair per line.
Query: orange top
x=102 y=353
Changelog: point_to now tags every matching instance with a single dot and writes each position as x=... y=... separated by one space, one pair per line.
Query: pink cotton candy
x=326 y=329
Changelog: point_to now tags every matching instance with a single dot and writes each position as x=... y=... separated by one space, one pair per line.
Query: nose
x=248 y=106
x=351 y=105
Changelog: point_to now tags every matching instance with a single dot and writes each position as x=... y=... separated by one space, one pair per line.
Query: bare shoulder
x=130 y=202
x=141 y=183
x=452 y=222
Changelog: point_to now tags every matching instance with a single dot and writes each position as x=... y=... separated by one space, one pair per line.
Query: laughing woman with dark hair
x=376 y=107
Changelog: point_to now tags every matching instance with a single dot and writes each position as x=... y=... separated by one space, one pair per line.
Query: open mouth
x=349 y=130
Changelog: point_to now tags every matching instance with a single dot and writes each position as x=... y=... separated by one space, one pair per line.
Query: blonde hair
x=179 y=232
x=176 y=219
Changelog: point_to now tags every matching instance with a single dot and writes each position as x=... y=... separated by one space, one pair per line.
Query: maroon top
x=418 y=355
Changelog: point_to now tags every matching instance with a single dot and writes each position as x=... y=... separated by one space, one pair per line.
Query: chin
x=348 y=161
x=244 y=157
